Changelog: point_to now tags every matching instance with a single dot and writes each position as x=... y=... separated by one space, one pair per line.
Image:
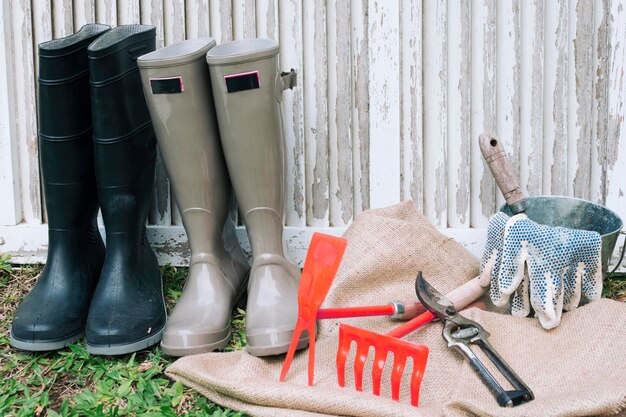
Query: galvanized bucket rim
x=563 y=197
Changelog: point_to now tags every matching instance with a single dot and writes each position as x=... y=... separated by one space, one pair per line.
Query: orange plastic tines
x=383 y=344
x=320 y=266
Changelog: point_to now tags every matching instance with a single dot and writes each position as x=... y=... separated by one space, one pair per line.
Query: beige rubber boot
x=247 y=88
x=178 y=92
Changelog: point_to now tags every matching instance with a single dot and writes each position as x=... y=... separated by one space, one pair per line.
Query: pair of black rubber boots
x=97 y=148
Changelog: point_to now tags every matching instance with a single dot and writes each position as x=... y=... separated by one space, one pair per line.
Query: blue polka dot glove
x=548 y=268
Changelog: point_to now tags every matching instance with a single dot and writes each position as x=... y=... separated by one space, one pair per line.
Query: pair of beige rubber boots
x=219 y=124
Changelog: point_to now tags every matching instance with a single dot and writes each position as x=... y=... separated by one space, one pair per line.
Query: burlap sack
x=578 y=369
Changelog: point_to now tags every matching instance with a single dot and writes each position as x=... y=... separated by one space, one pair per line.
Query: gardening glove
x=490 y=265
x=548 y=268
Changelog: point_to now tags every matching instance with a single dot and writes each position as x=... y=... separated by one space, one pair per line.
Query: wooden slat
x=459 y=113
x=531 y=97
x=63 y=20
x=315 y=84
x=28 y=243
x=221 y=20
x=411 y=96
x=384 y=90
x=580 y=87
x=599 y=109
x=483 y=102
x=25 y=110
x=507 y=81
x=555 y=98
x=291 y=56
x=339 y=113
x=84 y=12
x=10 y=204
x=42 y=28
x=152 y=14
x=174 y=21
x=435 y=111
x=616 y=150
x=128 y=12
x=244 y=25
x=106 y=12
x=267 y=19
x=359 y=39
x=197 y=18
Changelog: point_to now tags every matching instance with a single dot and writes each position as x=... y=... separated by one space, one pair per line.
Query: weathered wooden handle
x=502 y=171
x=466 y=294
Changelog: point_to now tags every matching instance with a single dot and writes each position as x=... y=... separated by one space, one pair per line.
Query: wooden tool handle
x=461 y=297
x=466 y=294
x=502 y=171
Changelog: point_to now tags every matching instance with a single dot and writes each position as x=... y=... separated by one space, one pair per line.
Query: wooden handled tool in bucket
x=569 y=212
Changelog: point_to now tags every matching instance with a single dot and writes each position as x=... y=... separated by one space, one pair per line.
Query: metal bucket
x=575 y=213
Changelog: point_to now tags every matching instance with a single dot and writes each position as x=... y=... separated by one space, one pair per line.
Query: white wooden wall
x=392 y=96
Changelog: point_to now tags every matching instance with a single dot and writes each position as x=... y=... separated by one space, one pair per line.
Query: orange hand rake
x=391 y=342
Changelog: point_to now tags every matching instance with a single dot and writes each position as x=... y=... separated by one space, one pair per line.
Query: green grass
x=71 y=382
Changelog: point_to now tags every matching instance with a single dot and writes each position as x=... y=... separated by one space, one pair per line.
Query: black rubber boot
x=127 y=312
x=54 y=313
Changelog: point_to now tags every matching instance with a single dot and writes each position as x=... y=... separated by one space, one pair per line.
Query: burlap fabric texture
x=578 y=369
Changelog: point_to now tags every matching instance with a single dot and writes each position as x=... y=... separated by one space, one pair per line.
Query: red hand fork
x=320 y=266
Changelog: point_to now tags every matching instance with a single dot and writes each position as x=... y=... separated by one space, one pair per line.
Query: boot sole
x=276 y=349
x=194 y=350
x=43 y=346
x=114 y=350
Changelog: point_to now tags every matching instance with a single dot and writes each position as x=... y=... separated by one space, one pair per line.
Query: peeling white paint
x=390 y=100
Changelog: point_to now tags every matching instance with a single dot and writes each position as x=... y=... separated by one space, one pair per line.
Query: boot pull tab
x=285 y=80
x=289 y=79
x=136 y=51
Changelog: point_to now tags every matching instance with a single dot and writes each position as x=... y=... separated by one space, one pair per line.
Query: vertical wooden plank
x=25 y=111
x=244 y=25
x=197 y=17
x=616 y=143
x=339 y=113
x=152 y=14
x=507 y=81
x=106 y=12
x=411 y=152
x=170 y=29
x=384 y=90
x=42 y=28
x=128 y=12
x=435 y=111
x=221 y=20
x=359 y=39
x=63 y=20
x=291 y=56
x=84 y=12
x=315 y=113
x=531 y=97
x=174 y=21
x=10 y=204
x=267 y=19
x=555 y=98
x=599 y=109
x=580 y=86
x=458 y=85
x=483 y=102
